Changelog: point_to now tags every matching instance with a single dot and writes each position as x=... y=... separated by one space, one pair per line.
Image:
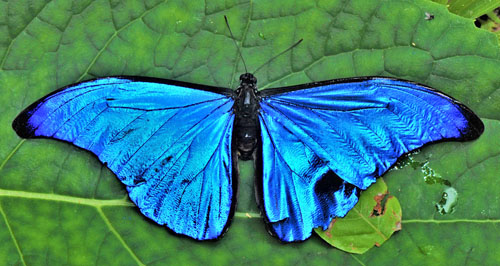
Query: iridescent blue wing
x=168 y=142
x=323 y=142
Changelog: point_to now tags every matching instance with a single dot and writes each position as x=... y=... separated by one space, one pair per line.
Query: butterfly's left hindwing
x=169 y=144
x=322 y=143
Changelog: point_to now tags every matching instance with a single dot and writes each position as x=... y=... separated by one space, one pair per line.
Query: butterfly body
x=175 y=145
x=246 y=108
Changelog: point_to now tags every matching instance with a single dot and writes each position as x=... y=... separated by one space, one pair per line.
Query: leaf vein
x=371 y=224
x=118 y=236
x=113 y=36
x=12 y=235
x=12 y=153
x=19 y=33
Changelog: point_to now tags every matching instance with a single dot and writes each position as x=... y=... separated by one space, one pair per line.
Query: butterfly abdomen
x=246 y=122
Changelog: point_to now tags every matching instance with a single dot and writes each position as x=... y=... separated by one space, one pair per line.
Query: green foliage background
x=60 y=206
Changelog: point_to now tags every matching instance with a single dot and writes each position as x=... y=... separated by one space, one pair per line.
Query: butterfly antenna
x=274 y=57
x=237 y=47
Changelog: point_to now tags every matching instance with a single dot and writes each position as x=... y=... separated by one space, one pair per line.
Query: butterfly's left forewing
x=322 y=143
x=170 y=145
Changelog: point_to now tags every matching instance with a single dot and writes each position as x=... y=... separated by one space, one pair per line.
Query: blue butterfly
x=175 y=145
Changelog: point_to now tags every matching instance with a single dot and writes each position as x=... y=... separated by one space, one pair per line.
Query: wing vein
x=90 y=122
x=430 y=92
x=163 y=176
x=289 y=119
x=286 y=163
x=60 y=106
x=319 y=108
x=112 y=139
x=168 y=108
x=67 y=89
x=73 y=115
x=145 y=142
x=203 y=169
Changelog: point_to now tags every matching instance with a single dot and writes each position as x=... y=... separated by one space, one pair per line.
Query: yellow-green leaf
x=370 y=223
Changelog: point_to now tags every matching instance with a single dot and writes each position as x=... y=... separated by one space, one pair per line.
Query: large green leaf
x=59 y=205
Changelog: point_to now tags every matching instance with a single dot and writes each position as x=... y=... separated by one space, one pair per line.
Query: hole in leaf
x=448 y=201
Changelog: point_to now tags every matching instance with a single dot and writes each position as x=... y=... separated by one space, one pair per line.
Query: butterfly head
x=247 y=94
x=248 y=80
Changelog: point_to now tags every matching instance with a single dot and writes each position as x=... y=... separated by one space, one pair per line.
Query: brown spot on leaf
x=396 y=215
x=381 y=200
x=377 y=244
x=330 y=226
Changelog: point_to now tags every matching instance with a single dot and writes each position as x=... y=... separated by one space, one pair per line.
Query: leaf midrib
x=375 y=228
x=98 y=203
x=64 y=198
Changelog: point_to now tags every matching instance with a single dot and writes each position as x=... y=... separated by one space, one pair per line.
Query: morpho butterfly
x=175 y=145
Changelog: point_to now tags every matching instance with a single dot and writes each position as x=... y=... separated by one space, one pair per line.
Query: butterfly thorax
x=246 y=108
